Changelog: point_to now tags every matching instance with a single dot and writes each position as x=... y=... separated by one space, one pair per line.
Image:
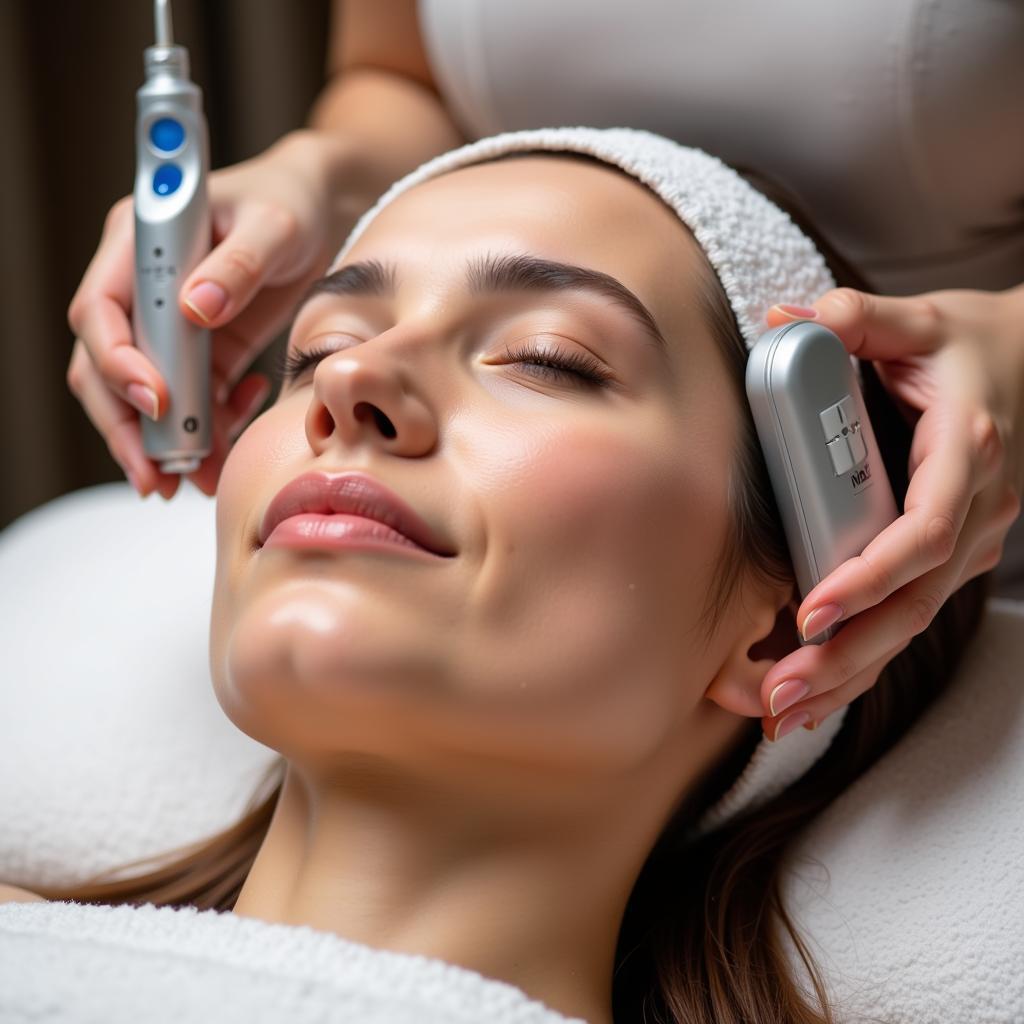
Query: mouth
x=321 y=509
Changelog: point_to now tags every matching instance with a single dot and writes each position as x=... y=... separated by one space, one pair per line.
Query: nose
x=363 y=395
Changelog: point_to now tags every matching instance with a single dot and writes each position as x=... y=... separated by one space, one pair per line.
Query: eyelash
x=290 y=365
x=584 y=368
x=559 y=364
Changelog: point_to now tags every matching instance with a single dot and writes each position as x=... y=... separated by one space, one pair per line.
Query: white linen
x=72 y=963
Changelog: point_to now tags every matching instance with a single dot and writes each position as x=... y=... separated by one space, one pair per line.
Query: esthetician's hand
x=954 y=360
x=276 y=224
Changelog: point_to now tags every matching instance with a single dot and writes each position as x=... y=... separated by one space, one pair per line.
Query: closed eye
x=291 y=365
x=549 y=364
x=560 y=364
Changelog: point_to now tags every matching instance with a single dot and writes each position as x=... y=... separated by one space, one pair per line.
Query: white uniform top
x=897 y=124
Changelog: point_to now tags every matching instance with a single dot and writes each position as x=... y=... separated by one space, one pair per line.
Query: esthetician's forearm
x=377 y=126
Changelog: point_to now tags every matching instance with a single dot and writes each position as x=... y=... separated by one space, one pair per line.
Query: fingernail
x=789 y=723
x=819 y=620
x=786 y=694
x=207 y=299
x=797 y=312
x=144 y=399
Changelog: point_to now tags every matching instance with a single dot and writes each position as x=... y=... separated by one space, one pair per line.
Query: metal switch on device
x=841 y=427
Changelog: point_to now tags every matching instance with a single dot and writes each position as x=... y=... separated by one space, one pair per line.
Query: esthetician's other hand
x=276 y=223
x=956 y=361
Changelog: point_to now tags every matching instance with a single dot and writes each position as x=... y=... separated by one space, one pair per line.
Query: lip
x=350 y=494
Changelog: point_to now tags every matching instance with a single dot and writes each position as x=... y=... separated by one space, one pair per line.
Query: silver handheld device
x=827 y=474
x=172 y=234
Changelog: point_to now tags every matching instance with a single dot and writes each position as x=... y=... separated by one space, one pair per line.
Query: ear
x=766 y=634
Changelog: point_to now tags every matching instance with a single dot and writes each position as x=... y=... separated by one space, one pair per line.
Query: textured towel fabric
x=909 y=888
x=113 y=745
x=910 y=885
x=69 y=963
x=761 y=257
x=759 y=254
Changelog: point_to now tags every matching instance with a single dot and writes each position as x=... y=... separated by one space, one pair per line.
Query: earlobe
x=769 y=634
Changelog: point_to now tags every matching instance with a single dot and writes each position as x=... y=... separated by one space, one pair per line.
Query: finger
x=110 y=270
x=237 y=345
x=867 y=637
x=876 y=326
x=99 y=316
x=118 y=423
x=246 y=402
x=227 y=279
x=937 y=502
x=821 y=706
x=108 y=338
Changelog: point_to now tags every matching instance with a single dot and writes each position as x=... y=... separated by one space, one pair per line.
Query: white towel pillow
x=112 y=743
x=113 y=747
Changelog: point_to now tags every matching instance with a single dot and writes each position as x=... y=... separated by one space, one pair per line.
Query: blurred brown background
x=68 y=75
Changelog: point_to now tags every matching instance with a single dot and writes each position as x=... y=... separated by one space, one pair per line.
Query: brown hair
x=701 y=937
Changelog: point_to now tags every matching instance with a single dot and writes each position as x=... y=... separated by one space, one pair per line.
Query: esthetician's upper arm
x=371 y=34
x=380 y=100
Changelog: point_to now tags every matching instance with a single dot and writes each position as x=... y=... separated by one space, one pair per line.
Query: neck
x=523 y=896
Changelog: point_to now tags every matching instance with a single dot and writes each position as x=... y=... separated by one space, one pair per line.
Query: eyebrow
x=498 y=273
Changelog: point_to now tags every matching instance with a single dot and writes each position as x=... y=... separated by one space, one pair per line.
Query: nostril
x=384 y=425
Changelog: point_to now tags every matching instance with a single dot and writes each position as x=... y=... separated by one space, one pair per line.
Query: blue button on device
x=167 y=135
x=166 y=179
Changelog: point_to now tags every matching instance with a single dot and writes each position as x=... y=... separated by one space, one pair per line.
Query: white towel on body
x=72 y=963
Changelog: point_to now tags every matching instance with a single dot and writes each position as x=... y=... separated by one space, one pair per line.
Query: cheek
x=597 y=556
x=255 y=462
x=244 y=486
x=620 y=508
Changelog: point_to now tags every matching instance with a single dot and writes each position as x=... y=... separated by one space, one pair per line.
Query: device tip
x=162 y=17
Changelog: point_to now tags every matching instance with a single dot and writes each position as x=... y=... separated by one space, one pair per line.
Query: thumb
x=873 y=326
x=225 y=282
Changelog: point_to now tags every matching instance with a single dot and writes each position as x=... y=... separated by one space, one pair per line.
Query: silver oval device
x=827 y=473
x=172 y=234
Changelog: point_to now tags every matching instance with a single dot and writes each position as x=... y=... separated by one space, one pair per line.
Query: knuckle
x=926 y=312
x=987 y=439
x=243 y=265
x=284 y=222
x=923 y=608
x=75 y=313
x=850 y=301
x=1012 y=500
x=939 y=540
x=845 y=667
x=992 y=558
x=880 y=582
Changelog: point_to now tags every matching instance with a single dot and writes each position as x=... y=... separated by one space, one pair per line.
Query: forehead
x=556 y=207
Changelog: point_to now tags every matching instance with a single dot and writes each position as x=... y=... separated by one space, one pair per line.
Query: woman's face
x=585 y=519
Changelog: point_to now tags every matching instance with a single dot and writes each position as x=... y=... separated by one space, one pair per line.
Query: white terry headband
x=760 y=256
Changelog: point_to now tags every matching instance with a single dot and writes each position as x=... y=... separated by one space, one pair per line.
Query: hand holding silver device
x=827 y=473
x=172 y=234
